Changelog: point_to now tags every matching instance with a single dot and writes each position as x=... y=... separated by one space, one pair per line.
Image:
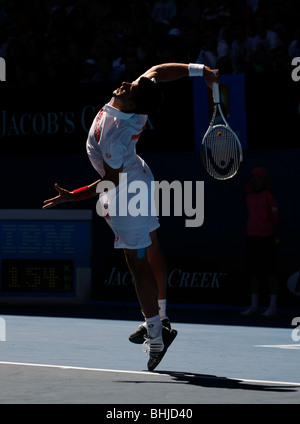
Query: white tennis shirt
x=112 y=139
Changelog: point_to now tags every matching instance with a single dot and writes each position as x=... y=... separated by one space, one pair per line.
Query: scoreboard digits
x=37 y=275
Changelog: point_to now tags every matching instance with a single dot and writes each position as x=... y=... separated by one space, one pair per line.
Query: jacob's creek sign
x=191 y=280
x=45 y=123
x=177 y=278
x=189 y=283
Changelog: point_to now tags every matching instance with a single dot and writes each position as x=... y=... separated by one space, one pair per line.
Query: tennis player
x=111 y=149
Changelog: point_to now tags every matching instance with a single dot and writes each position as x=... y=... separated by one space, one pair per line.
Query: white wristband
x=195 y=70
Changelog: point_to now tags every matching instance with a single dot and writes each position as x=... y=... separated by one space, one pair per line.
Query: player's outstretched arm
x=173 y=71
x=62 y=197
x=70 y=196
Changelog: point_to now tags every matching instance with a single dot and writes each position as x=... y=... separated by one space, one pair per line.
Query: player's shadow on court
x=213 y=381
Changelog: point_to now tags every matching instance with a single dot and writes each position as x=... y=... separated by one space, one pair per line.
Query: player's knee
x=136 y=257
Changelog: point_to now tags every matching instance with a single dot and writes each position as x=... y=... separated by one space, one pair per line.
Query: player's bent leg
x=158 y=265
x=157 y=338
x=145 y=283
x=157 y=261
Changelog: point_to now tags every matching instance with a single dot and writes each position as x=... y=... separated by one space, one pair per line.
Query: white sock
x=154 y=327
x=162 y=306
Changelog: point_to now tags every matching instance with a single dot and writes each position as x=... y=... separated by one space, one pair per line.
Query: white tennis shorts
x=131 y=230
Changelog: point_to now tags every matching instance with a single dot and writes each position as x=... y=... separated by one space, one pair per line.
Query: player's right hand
x=63 y=196
x=211 y=76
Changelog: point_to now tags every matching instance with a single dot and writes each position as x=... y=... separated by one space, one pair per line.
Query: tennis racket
x=221 y=151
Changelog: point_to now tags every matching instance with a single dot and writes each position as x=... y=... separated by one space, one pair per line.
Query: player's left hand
x=63 y=196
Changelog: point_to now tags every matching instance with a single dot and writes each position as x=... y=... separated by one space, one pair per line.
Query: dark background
x=44 y=123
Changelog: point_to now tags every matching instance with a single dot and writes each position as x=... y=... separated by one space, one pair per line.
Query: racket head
x=221 y=152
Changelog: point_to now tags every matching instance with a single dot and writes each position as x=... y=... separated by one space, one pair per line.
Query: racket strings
x=221 y=152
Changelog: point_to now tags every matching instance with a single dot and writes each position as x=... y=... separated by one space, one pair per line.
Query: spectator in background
x=3 y=33
x=264 y=45
x=192 y=12
x=212 y=10
x=241 y=48
x=213 y=49
x=88 y=71
x=164 y=11
x=103 y=71
x=66 y=33
x=261 y=240
x=294 y=47
x=132 y=67
x=254 y=4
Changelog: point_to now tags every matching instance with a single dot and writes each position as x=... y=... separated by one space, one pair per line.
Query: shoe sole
x=151 y=367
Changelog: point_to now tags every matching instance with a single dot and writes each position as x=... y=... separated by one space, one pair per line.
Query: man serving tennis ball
x=111 y=150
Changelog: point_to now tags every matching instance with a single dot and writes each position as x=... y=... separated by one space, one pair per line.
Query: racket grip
x=215 y=90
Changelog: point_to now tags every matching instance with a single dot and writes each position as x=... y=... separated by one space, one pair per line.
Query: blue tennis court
x=58 y=360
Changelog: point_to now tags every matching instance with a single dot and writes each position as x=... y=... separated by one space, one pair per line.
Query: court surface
x=54 y=359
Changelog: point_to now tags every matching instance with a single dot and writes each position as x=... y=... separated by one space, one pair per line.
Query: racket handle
x=215 y=89
x=216 y=93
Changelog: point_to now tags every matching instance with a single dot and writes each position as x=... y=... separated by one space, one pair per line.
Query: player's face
x=126 y=91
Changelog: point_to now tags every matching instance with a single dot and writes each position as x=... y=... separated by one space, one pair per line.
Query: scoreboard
x=45 y=256
x=37 y=276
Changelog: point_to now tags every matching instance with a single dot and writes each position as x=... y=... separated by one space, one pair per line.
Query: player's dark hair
x=148 y=98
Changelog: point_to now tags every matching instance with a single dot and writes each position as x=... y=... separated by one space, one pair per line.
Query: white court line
x=289 y=346
x=67 y=367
